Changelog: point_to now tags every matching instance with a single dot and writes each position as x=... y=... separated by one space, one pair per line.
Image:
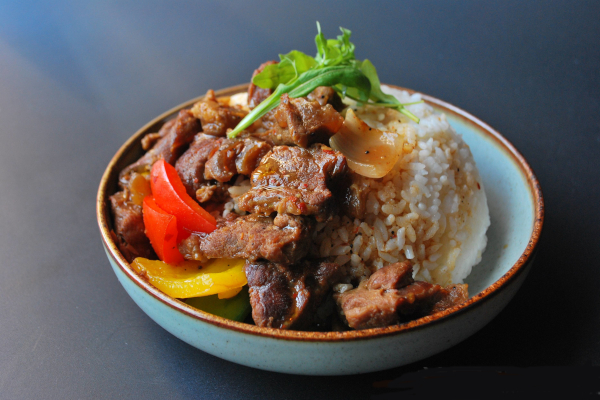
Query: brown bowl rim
x=102 y=212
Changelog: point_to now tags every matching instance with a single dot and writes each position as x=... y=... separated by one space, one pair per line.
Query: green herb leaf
x=302 y=62
x=331 y=76
x=298 y=74
x=275 y=74
x=303 y=85
x=334 y=52
x=290 y=67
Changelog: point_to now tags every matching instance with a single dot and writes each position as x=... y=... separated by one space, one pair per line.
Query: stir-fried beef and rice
x=330 y=241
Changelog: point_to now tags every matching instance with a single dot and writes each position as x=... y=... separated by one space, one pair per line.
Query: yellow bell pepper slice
x=191 y=278
x=229 y=294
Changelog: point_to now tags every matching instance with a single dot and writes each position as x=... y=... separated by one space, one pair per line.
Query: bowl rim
x=103 y=212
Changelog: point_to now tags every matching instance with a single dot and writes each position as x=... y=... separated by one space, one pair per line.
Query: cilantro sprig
x=298 y=74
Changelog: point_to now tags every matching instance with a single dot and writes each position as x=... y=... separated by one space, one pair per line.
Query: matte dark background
x=78 y=78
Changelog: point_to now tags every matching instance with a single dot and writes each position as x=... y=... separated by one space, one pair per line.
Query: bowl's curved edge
x=314 y=358
x=103 y=212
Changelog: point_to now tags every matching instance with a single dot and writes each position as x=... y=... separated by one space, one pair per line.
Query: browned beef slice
x=249 y=157
x=237 y=156
x=129 y=228
x=190 y=246
x=256 y=95
x=382 y=300
x=457 y=294
x=213 y=191
x=296 y=181
x=327 y=95
x=287 y=296
x=221 y=165
x=393 y=276
x=190 y=166
x=175 y=136
x=215 y=117
x=299 y=122
x=283 y=239
x=353 y=192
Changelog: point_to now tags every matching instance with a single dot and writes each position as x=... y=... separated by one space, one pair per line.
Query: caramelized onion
x=370 y=152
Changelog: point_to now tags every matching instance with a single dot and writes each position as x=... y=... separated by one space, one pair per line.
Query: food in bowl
x=338 y=203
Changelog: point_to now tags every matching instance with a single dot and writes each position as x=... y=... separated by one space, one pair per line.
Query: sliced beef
x=300 y=122
x=175 y=135
x=296 y=181
x=353 y=192
x=249 y=157
x=190 y=246
x=211 y=161
x=129 y=228
x=457 y=294
x=215 y=117
x=190 y=166
x=257 y=95
x=287 y=296
x=237 y=156
x=221 y=165
x=213 y=191
x=327 y=95
x=393 y=276
x=284 y=239
x=388 y=297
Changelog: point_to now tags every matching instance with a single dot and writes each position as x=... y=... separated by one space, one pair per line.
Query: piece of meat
x=296 y=181
x=287 y=296
x=129 y=228
x=190 y=166
x=239 y=156
x=221 y=165
x=366 y=309
x=151 y=138
x=211 y=159
x=327 y=95
x=388 y=297
x=284 y=239
x=353 y=192
x=257 y=95
x=457 y=294
x=213 y=191
x=235 y=156
x=190 y=246
x=250 y=155
x=300 y=122
x=215 y=117
x=393 y=276
x=175 y=135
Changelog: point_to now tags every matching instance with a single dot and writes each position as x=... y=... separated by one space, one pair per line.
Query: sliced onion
x=370 y=152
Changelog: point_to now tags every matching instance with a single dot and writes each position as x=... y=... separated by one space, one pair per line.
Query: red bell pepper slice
x=161 y=229
x=170 y=195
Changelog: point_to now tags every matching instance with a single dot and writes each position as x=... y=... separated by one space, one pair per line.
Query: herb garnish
x=298 y=74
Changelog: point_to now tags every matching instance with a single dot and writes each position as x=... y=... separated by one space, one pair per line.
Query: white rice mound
x=431 y=208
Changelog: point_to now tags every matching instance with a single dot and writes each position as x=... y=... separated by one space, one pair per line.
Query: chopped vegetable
x=161 y=229
x=369 y=151
x=298 y=74
x=235 y=308
x=190 y=278
x=229 y=294
x=139 y=187
x=170 y=195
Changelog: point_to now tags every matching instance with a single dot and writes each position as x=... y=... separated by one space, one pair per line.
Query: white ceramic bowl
x=516 y=210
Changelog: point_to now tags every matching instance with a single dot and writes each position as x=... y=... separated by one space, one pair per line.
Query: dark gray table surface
x=78 y=78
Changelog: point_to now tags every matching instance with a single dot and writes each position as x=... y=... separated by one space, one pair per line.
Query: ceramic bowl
x=516 y=210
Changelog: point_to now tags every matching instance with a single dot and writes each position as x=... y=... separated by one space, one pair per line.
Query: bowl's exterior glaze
x=334 y=353
x=320 y=358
